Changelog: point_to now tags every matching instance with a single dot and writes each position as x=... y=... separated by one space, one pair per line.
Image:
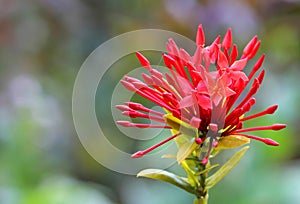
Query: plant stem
x=201 y=200
x=202 y=178
x=202 y=197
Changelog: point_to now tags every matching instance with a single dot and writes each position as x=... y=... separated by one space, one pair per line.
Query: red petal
x=254 y=50
x=143 y=60
x=184 y=85
x=217 y=40
x=261 y=76
x=187 y=101
x=123 y=108
x=254 y=88
x=200 y=38
x=137 y=106
x=222 y=60
x=185 y=56
x=124 y=123
x=147 y=79
x=257 y=66
x=128 y=85
x=233 y=54
x=236 y=75
x=250 y=46
x=157 y=81
x=204 y=101
x=216 y=98
x=197 y=58
x=239 y=65
x=138 y=154
x=271 y=142
x=169 y=61
x=229 y=92
x=156 y=73
x=278 y=126
x=226 y=44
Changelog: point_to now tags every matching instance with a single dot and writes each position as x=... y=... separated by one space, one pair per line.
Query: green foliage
x=168 y=177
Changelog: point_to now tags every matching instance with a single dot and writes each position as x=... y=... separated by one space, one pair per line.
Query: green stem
x=201 y=200
x=202 y=180
x=202 y=197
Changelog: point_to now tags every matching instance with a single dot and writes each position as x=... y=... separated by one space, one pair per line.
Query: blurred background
x=43 y=43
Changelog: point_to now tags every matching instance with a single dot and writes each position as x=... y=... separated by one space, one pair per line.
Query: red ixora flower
x=200 y=94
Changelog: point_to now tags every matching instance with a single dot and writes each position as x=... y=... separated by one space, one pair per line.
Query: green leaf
x=168 y=177
x=226 y=168
x=185 y=150
x=232 y=141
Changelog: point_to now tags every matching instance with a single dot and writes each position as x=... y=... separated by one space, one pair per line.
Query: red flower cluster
x=200 y=92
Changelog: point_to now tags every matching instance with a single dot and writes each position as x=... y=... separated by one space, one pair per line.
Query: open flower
x=201 y=95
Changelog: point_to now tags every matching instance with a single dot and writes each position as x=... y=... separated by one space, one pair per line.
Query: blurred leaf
x=185 y=150
x=168 y=177
x=232 y=141
x=226 y=168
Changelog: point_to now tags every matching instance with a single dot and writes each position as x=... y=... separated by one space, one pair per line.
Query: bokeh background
x=42 y=46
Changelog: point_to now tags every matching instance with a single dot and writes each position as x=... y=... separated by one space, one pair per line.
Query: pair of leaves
x=183 y=183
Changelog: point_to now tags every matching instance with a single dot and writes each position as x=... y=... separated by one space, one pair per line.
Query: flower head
x=200 y=94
